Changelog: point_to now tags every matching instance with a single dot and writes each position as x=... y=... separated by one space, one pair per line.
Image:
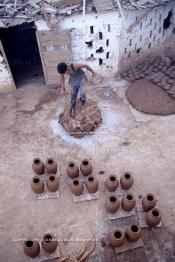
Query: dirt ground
x=126 y=140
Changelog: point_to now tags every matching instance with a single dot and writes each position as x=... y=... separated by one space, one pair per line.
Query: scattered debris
x=17 y=12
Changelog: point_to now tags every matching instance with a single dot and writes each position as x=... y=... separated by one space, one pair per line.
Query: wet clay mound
x=150 y=98
x=87 y=118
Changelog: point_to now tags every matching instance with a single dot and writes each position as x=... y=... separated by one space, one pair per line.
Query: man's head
x=62 y=68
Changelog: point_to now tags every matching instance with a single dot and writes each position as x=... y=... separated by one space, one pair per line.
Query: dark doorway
x=21 y=49
x=167 y=20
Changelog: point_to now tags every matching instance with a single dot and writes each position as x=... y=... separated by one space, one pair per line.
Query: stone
x=87 y=118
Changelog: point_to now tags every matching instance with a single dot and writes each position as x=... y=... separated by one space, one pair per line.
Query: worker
x=77 y=79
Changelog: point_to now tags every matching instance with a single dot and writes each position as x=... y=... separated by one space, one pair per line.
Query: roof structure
x=14 y=12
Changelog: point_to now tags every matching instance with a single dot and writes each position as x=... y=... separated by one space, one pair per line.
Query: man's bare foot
x=72 y=112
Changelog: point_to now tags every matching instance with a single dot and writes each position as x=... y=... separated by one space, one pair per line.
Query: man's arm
x=77 y=66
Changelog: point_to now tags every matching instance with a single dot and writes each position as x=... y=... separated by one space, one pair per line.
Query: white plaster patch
x=113 y=124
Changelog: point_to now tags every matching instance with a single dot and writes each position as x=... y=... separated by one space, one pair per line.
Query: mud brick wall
x=148 y=34
x=6 y=83
x=102 y=40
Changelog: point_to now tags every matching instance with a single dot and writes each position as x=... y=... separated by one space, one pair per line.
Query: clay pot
x=37 y=185
x=126 y=181
x=133 y=233
x=38 y=166
x=76 y=187
x=153 y=217
x=49 y=243
x=148 y=202
x=116 y=237
x=112 y=183
x=86 y=167
x=52 y=183
x=51 y=166
x=112 y=204
x=128 y=202
x=31 y=248
x=92 y=184
x=72 y=170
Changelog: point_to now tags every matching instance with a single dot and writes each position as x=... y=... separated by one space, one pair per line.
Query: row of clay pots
x=73 y=169
x=37 y=184
x=112 y=204
x=117 y=236
x=153 y=216
x=32 y=248
x=50 y=166
x=126 y=182
x=77 y=187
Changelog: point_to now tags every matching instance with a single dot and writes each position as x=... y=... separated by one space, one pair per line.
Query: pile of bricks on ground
x=159 y=70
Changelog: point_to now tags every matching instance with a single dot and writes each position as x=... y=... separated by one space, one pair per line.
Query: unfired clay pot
x=31 y=248
x=52 y=183
x=92 y=184
x=128 y=202
x=38 y=166
x=126 y=181
x=112 y=183
x=112 y=204
x=86 y=167
x=37 y=185
x=76 y=187
x=72 y=170
x=51 y=166
x=153 y=217
x=116 y=237
x=148 y=202
x=133 y=232
x=49 y=243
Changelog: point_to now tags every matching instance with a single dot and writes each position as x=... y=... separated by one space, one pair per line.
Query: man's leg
x=74 y=93
x=82 y=93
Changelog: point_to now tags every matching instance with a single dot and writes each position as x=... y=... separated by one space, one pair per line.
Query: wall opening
x=109 y=28
x=100 y=61
x=92 y=29
x=89 y=44
x=167 y=20
x=107 y=42
x=138 y=50
x=100 y=35
x=107 y=55
x=100 y=50
x=22 y=52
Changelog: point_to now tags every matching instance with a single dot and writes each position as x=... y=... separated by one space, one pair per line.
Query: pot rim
x=150 y=195
x=157 y=211
x=36 y=178
x=113 y=176
x=85 y=160
x=29 y=240
x=38 y=160
x=120 y=232
x=50 y=160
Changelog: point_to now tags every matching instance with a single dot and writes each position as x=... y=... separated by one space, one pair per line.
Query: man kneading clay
x=77 y=80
